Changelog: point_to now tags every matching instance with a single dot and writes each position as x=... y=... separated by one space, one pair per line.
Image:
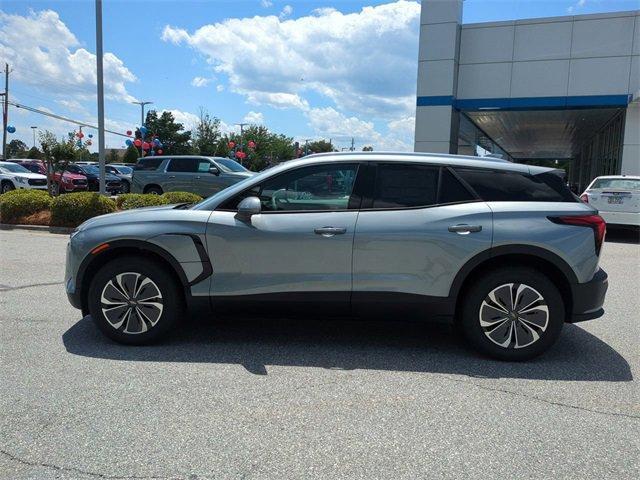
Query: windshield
x=14 y=168
x=123 y=170
x=620 y=183
x=231 y=165
x=90 y=169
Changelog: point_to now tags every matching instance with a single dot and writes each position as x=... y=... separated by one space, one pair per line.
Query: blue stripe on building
x=527 y=103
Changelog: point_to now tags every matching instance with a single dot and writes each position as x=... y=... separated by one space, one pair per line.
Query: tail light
x=595 y=222
x=584 y=197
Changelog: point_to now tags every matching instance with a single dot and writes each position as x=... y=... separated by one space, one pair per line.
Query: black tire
x=477 y=307
x=126 y=188
x=143 y=325
x=55 y=189
x=154 y=190
x=7 y=186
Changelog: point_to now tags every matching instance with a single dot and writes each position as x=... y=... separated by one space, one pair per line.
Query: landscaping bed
x=36 y=207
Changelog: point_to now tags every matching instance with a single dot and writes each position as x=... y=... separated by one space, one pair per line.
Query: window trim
x=357 y=164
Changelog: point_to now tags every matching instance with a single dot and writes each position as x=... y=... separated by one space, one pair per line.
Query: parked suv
x=15 y=176
x=202 y=175
x=505 y=250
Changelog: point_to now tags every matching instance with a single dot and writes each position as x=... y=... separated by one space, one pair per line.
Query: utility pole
x=33 y=129
x=352 y=146
x=5 y=111
x=100 y=72
x=142 y=104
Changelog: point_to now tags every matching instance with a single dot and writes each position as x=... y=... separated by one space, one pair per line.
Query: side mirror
x=249 y=206
x=214 y=170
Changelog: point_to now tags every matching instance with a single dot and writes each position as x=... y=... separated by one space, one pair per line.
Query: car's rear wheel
x=7 y=186
x=153 y=190
x=512 y=314
x=134 y=301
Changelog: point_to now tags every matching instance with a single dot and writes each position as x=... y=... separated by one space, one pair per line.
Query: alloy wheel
x=131 y=302
x=514 y=315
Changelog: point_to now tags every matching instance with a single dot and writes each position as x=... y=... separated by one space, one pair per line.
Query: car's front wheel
x=512 y=313
x=7 y=186
x=134 y=301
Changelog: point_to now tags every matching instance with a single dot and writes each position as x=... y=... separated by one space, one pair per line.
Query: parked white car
x=617 y=198
x=14 y=176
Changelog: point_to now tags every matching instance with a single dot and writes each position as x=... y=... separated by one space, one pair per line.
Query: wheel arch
x=150 y=186
x=548 y=263
x=120 y=248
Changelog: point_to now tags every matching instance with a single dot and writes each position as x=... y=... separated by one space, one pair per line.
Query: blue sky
x=309 y=69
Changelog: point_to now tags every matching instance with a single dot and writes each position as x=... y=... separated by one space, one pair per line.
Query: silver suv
x=504 y=250
x=202 y=175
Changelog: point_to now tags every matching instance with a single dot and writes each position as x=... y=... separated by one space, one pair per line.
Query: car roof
x=632 y=177
x=493 y=163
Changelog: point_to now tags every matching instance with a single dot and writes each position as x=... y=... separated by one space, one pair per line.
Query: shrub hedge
x=21 y=203
x=71 y=209
x=181 y=197
x=128 y=201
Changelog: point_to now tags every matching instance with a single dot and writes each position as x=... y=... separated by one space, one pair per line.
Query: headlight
x=20 y=179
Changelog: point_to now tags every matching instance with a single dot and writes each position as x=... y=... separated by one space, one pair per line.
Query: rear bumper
x=621 y=218
x=588 y=298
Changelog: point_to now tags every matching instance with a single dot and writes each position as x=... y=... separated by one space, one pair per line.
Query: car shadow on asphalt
x=257 y=343
x=622 y=235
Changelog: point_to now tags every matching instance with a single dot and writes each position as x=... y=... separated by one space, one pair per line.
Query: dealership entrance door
x=586 y=142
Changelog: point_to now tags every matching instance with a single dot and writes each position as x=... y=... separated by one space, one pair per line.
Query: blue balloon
x=128 y=142
x=91 y=135
x=11 y=129
x=79 y=143
x=143 y=130
x=152 y=152
x=156 y=142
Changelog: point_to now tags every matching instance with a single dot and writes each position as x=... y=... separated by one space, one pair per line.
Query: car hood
x=35 y=176
x=136 y=216
x=74 y=176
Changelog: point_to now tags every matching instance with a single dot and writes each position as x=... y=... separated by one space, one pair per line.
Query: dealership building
x=542 y=89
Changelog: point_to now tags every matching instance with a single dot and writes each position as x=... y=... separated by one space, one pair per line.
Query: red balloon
x=146 y=146
x=232 y=144
x=241 y=154
x=159 y=152
x=80 y=134
x=128 y=132
x=137 y=142
x=252 y=144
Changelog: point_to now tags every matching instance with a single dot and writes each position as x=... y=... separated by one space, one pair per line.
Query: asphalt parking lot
x=282 y=398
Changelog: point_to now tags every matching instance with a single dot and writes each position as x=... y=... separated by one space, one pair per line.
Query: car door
x=299 y=247
x=207 y=183
x=416 y=229
x=180 y=174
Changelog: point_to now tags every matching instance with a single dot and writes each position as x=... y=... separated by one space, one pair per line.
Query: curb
x=37 y=228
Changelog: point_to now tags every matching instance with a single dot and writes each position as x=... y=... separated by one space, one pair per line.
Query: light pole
x=33 y=129
x=142 y=104
x=100 y=81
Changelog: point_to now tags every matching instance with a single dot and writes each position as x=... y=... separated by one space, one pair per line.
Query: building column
x=631 y=142
x=436 y=119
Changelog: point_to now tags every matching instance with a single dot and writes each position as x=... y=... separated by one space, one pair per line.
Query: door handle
x=198 y=177
x=330 y=231
x=172 y=176
x=465 y=229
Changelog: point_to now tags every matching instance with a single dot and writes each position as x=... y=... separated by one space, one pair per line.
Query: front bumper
x=588 y=298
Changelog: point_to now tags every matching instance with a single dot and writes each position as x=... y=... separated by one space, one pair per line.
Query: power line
x=64 y=119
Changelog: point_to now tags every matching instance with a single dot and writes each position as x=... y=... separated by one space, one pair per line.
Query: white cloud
x=365 y=62
x=578 y=4
x=46 y=55
x=72 y=105
x=187 y=119
x=266 y=3
x=200 y=81
x=286 y=11
x=219 y=88
x=254 y=117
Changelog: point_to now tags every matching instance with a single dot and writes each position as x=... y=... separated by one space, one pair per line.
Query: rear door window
x=188 y=165
x=148 y=163
x=504 y=186
x=402 y=186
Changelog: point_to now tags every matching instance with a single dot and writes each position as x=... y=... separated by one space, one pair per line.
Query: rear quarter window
x=504 y=186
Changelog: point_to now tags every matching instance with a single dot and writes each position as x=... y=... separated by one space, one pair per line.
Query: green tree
x=367 y=149
x=131 y=155
x=34 y=153
x=206 y=138
x=16 y=148
x=320 y=146
x=175 y=140
x=112 y=156
x=57 y=155
x=270 y=148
